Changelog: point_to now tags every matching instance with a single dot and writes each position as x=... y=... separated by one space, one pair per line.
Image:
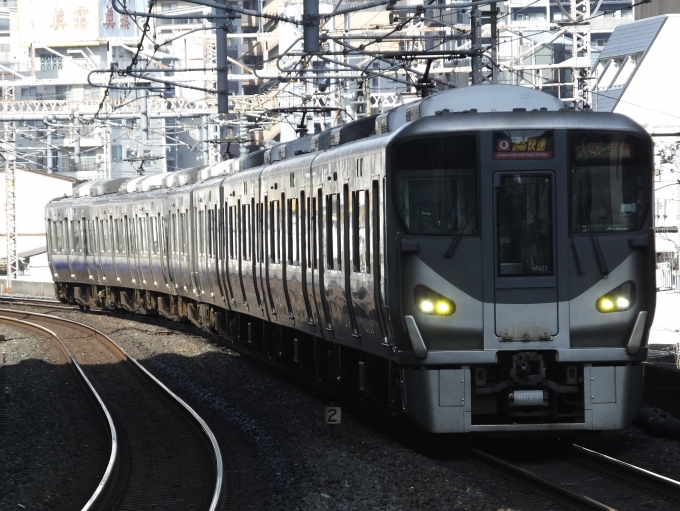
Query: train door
x=223 y=248
x=525 y=255
x=233 y=255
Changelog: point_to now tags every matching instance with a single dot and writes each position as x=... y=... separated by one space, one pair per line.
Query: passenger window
x=333 y=232
x=75 y=237
x=154 y=235
x=183 y=234
x=245 y=230
x=59 y=237
x=141 y=231
x=90 y=239
x=274 y=232
x=232 y=234
x=119 y=236
x=201 y=228
x=361 y=246
x=132 y=237
x=104 y=241
x=293 y=233
x=173 y=233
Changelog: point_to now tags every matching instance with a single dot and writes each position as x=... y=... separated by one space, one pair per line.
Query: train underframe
x=525 y=391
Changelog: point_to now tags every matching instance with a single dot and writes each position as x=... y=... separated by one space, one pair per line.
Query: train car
x=481 y=261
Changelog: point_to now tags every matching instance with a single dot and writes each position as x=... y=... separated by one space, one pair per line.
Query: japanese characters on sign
x=62 y=22
x=590 y=150
x=523 y=145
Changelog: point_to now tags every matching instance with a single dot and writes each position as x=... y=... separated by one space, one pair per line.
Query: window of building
x=51 y=63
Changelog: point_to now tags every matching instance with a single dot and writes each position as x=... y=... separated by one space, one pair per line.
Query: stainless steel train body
x=481 y=271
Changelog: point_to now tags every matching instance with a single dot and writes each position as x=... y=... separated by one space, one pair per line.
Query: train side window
x=75 y=237
x=154 y=235
x=209 y=233
x=59 y=236
x=118 y=236
x=337 y=221
x=293 y=233
x=274 y=232
x=104 y=233
x=200 y=233
x=232 y=255
x=90 y=238
x=257 y=221
x=183 y=234
x=245 y=230
x=141 y=231
x=173 y=233
x=50 y=237
x=361 y=246
x=304 y=240
x=330 y=249
x=132 y=236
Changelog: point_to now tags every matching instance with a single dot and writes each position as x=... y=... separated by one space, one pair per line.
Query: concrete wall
x=29 y=288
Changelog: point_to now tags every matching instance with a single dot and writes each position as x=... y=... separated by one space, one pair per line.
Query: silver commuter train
x=481 y=261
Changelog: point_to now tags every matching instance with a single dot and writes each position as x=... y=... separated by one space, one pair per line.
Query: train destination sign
x=523 y=145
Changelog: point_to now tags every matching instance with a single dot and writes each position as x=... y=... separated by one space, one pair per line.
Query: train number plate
x=527 y=397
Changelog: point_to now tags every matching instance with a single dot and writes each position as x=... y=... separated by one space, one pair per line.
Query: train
x=480 y=261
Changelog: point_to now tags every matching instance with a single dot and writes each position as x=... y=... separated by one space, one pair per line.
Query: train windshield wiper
x=596 y=243
x=456 y=238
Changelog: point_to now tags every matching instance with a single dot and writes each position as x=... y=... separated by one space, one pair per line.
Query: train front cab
x=523 y=270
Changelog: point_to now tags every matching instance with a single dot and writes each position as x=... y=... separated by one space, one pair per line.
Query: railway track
x=580 y=478
x=163 y=455
x=577 y=478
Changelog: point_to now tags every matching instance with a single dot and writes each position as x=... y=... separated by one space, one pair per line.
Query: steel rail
x=570 y=496
x=641 y=476
x=107 y=480
x=120 y=351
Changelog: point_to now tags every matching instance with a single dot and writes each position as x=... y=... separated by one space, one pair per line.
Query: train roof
x=502 y=121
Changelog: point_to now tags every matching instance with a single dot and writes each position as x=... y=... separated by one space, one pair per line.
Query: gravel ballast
x=369 y=464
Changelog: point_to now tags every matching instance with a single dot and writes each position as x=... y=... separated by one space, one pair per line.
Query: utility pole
x=144 y=111
x=580 y=53
x=9 y=150
x=310 y=22
x=476 y=44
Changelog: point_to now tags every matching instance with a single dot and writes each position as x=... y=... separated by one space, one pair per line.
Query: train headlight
x=431 y=302
x=619 y=299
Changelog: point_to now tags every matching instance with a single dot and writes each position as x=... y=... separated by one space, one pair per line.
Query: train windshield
x=435 y=180
x=609 y=185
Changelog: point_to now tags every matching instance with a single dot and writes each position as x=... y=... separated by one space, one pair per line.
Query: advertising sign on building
x=72 y=22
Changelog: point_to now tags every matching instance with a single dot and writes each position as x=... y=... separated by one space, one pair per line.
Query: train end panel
x=444 y=401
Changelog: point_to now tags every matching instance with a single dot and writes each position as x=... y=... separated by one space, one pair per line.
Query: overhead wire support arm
x=422 y=7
